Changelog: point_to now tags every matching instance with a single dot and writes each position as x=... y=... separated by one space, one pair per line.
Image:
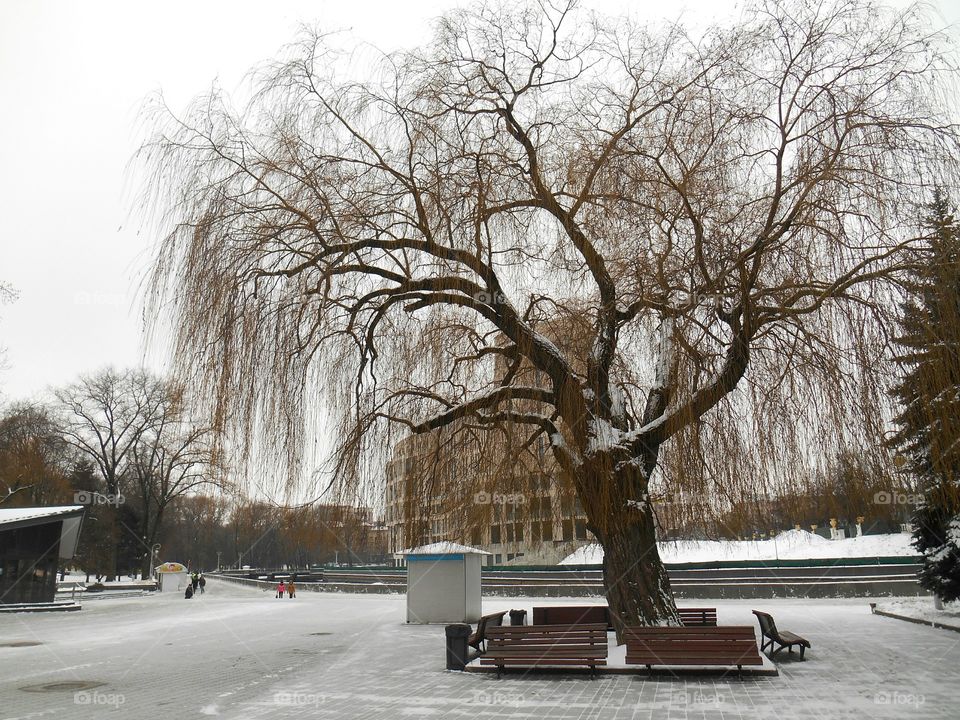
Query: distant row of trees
x=848 y=488
x=122 y=442
x=125 y=444
x=204 y=531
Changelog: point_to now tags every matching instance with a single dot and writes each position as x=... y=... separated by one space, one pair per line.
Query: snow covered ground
x=239 y=653
x=923 y=609
x=790 y=545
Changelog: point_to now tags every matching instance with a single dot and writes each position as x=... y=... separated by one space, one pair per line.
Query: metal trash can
x=518 y=617
x=457 y=636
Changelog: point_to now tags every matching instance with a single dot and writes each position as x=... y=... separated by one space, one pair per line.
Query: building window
x=497 y=559
x=581 y=530
x=567 y=529
x=518 y=531
x=495 y=535
x=546 y=530
x=509 y=534
x=476 y=537
x=509 y=557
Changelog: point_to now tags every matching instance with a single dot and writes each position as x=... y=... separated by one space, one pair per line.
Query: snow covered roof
x=16 y=515
x=443 y=548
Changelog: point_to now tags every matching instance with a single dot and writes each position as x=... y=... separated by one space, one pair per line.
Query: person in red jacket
x=281 y=589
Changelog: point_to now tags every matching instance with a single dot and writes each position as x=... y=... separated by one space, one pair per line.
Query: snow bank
x=923 y=609
x=790 y=545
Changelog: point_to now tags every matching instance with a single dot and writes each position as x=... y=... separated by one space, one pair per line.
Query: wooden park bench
x=576 y=614
x=698 y=616
x=770 y=635
x=727 y=645
x=479 y=636
x=546 y=646
x=572 y=615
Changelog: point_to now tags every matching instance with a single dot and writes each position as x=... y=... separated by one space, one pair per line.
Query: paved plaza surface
x=238 y=652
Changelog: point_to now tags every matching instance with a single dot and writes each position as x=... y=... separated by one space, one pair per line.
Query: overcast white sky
x=72 y=78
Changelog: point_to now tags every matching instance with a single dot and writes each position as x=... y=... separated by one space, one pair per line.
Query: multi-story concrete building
x=499 y=491
x=528 y=516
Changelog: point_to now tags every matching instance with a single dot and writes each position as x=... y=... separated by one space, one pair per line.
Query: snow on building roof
x=443 y=548
x=12 y=515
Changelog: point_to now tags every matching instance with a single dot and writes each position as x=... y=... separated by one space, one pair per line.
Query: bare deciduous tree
x=106 y=414
x=714 y=211
x=172 y=458
x=135 y=428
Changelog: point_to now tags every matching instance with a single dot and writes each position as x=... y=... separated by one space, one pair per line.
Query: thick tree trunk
x=620 y=515
x=635 y=578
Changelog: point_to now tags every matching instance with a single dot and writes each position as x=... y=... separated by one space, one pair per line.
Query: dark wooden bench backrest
x=722 y=632
x=571 y=615
x=767 y=626
x=698 y=616
x=598 y=629
x=694 y=652
x=488 y=621
x=588 y=638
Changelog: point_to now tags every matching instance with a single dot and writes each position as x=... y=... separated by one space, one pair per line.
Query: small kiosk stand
x=172 y=576
x=443 y=583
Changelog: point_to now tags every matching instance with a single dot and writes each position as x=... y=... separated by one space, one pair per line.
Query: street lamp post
x=154 y=552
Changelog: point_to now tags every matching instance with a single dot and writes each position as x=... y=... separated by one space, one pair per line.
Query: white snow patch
x=789 y=545
x=603 y=436
x=923 y=609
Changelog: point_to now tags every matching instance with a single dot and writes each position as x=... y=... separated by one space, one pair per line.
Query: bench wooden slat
x=552 y=629
x=733 y=660
x=541 y=662
x=739 y=631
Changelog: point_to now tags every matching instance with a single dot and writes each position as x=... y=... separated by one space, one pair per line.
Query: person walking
x=202 y=581
x=281 y=588
x=291 y=589
x=195 y=581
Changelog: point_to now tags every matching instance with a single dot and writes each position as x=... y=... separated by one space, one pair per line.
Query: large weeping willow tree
x=623 y=241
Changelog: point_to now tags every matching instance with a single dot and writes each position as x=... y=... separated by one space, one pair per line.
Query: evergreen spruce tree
x=929 y=394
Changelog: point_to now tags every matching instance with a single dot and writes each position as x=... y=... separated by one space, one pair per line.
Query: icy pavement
x=240 y=653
